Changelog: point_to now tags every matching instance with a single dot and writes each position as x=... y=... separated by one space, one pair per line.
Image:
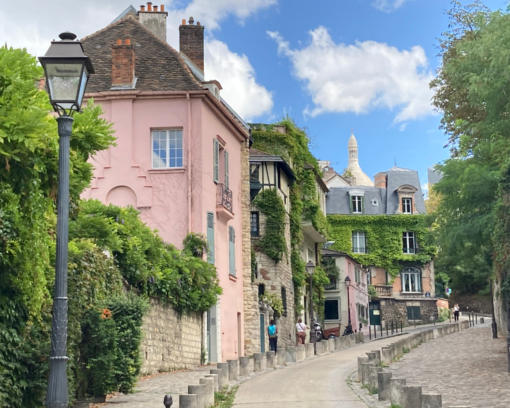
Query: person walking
x=272 y=332
x=300 y=331
x=456 y=312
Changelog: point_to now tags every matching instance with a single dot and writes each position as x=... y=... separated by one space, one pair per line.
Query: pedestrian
x=456 y=312
x=300 y=331
x=272 y=332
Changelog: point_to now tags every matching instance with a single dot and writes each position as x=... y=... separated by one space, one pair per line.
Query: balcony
x=224 y=202
x=383 y=290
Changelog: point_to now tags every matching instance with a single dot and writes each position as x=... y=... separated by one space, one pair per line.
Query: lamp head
x=310 y=268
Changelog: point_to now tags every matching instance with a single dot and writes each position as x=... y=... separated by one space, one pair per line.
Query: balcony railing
x=383 y=290
x=224 y=198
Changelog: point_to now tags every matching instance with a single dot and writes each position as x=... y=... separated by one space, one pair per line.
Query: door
x=262 y=334
x=212 y=330
x=375 y=313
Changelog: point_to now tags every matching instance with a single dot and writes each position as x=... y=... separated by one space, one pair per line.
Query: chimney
x=153 y=20
x=191 y=42
x=123 y=64
x=380 y=180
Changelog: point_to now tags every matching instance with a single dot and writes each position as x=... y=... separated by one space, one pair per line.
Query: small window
x=407 y=205
x=331 y=309
x=357 y=204
x=167 y=151
x=357 y=274
x=262 y=289
x=231 y=251
x=413 y=313
x=408 y=242
x=411 y=280
x=284 y=300
x=254 y=224
x=359 y=242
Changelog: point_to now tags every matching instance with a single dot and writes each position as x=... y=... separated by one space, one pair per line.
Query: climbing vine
x=383 y=235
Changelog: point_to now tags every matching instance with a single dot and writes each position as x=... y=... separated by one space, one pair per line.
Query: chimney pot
x=162 y=8
x=155 y=8
x=119 y=41
x=198 y=23
x=149 y=6
x=183 y=21
x=191 y=21
x=142 y=7
x=127 y=41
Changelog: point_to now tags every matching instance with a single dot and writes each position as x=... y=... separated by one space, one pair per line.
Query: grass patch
x=405 y=350
x=371 y=390
x=225 y=397
x=395 y=406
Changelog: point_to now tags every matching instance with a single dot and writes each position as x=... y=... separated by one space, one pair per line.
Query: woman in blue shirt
x=272 y=332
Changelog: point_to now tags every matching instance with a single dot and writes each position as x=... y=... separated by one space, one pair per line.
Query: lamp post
x=347 y=286
x=310 y=269
x=66 y=69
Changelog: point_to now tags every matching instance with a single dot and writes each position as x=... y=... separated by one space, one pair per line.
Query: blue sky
x=333 y=66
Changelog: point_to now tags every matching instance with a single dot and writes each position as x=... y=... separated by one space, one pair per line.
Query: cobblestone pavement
x=149 y=392
x=467 y=368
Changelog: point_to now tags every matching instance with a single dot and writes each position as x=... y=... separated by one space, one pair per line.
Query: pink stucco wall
x=176 y=201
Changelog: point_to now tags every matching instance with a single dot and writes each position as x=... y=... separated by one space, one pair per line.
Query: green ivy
x=383 y=235
x=273 y=242
x=274 y=301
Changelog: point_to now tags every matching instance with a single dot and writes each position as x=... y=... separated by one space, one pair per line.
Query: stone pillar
x=244 y=366
x=280 y=356
x=201 y=393
x=233 y=370
x=188 y=401
x=361 y=360
x=383 y=385
x=216 y=381
x=309 y=350
x=331 y=345
x=270 y=359
x=259 y=361
x=412 y=396
x=209 y=383
x=386 y=355
x=397 y=391
x=223 y=367
x=222 y=378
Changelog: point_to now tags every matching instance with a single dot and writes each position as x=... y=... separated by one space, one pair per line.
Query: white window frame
x=178 y=148
x=407 y=205
x=411 y=280
x=408 y=238
x=357 y=248
x=357 y=204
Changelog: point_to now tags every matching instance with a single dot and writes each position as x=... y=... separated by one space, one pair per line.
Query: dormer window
x=407 y=205
x=356 y=201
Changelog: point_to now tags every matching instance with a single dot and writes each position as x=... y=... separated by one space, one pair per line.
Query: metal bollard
x=370 y=332
x=380 y=326
x=392 y=327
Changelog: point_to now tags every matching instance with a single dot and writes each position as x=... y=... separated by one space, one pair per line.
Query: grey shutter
x=226 y=170
x=210 y=238
x=216 y=160
x=231 y=251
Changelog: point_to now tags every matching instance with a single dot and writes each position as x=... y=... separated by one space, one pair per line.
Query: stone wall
x=170 y=341
x=396 y=310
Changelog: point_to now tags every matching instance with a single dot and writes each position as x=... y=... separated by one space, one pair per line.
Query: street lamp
x=66 y=69
x=310 y=269
x=347 y=285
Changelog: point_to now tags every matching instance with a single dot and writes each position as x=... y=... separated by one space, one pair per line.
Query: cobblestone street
x=467 y=368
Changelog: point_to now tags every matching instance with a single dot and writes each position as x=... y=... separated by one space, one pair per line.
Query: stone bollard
x=233 y=370
x=188 y=401
x=201 y=392
x=309 y=350
x=300 y=352
x=365 y=372
x=259 y=360
x=387 y=355
x=338 y=343
x=383 y=385
x=431 y=401
x=270 y=359
x=412 y=396
x=216 y=381
x=280 y=356
x=360 y=361
x=290 y=354
x=397 y=391
x=331 y=345
x=222 y=378
x=244 y=366
x=209 y=383
x=223 y=367
x=373 y=383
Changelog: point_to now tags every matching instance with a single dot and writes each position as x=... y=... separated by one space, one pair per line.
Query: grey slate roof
x=337 y=200
x=434 y=175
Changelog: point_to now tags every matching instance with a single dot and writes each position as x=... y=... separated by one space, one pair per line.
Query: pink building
x=181 y=151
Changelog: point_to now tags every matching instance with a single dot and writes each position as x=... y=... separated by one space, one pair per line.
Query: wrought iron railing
x=224 y=197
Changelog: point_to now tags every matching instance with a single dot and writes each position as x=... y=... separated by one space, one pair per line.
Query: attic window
x=375 y=203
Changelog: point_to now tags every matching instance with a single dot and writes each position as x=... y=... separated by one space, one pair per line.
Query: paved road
x=320 y=382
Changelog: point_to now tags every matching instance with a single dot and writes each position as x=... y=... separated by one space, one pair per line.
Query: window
x=407 y=205
x=167 y=148
x=232 y=251
x=357 y=204
x=413 y=313
x=254 y=224
x=411 y=280
x=408 y=242
x=254 y=173
x=358 y=242
x=331 y=309
x=262 y=289
x=357 y=274
x=332 y=283
x=284 y=300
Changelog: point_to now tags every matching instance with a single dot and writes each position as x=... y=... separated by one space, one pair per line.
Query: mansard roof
x=158 y=66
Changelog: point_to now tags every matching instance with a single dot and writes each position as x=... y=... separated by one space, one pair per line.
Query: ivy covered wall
x=383 y=239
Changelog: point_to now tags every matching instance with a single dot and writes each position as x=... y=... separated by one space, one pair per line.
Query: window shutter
x=226 y=170
x=351 y=199
x=231 y=251
x=216 y=160
x=362 y=205
x=210 y=238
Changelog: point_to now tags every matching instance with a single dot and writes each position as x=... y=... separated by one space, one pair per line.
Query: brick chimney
x=153 y=19
x=123 y=64
x=191 y=41
x=380 y=180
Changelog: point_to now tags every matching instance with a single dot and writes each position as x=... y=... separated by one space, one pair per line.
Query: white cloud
x=237 y=78
x=388 y=6
x=361 y=77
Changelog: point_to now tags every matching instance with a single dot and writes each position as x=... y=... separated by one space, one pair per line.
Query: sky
x=332 y=66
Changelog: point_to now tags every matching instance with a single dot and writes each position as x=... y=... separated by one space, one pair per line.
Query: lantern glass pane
x=83 y=85
x=63 y=82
